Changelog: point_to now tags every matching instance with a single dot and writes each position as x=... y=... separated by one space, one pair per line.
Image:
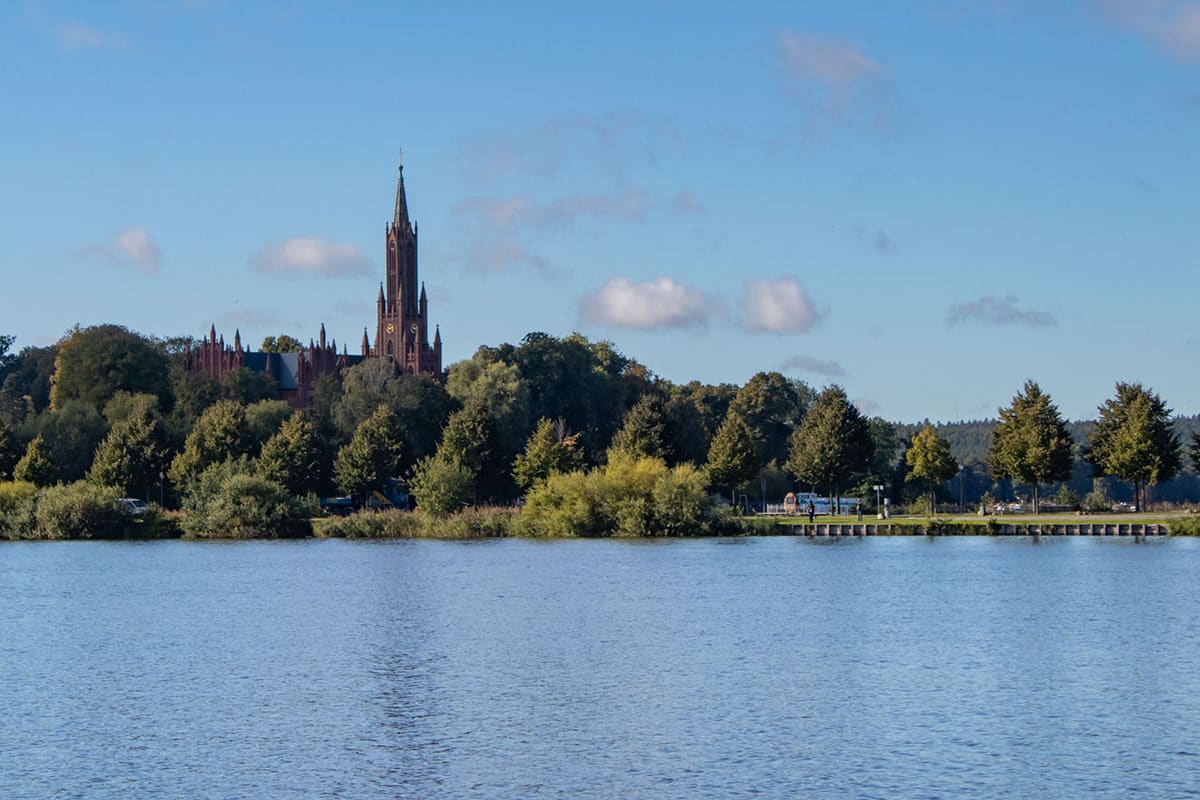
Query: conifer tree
x=644 y=432
x=734 y=456
x=1030 y=442
x=8 y=452
x=35 y=466
x=220 y=434
x=130 y=457
x=1133 y=440
x=548 y=451
x=292 y=457
x=832 y=445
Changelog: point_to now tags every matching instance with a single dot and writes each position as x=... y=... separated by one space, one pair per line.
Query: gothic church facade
x=401 y=329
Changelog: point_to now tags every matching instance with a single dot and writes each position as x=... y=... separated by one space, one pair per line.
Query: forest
x=588 y=440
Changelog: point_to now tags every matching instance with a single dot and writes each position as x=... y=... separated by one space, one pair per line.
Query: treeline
x=591 y=439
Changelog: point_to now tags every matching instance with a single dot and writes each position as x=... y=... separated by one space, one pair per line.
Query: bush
x=17 y=499
x=80 y=510
x=225 y=502
x=629 y=497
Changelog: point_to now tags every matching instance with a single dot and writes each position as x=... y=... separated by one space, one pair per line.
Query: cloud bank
x=835 y=81
x=310 y=255
x=814 y=366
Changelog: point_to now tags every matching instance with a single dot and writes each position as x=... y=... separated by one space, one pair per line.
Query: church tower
x=402 y=333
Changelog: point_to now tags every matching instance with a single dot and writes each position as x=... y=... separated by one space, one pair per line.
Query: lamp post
x=878 y=505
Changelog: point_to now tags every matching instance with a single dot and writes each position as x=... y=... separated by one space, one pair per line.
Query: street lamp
x=878 y=506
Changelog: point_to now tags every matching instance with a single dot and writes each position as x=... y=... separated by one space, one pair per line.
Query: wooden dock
x=953 y=529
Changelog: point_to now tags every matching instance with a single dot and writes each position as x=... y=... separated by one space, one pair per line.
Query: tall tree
x=35 y=466
x=8 y=452
x=293 y=456
x=644 y=432
x=772 y=405
x=832 y=445
x=282 y=343
x=1133 y=440
x=94 y=363
x=131 y=456
x=1030 y=442
x=72 y=432
x=221 y=434
x=930 y=461
x=372 y=456
x=549 y=451
x=735 y=455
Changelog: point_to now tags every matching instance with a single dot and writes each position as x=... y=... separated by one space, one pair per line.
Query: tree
x=644 y=433
x=35 y=466
x=372 y=456
x=264 y=418
x=25 y=389
x=131 y=456
x=8 y=452
x=549 y=451
x=441 y=485
x=94 y=363
x=1030 y=442
x=281 y=344
x=733 y=458
x=1133 y=440
x=292 y=457
x=221 y=434
x=772 y=406
x=72 y=432
x=7 y=359
x=930 y=461
x=832 y=445
x=247 y=386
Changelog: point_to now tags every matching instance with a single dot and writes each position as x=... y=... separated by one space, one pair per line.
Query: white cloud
x=656 y=304
x=992 y=310
x=310 y=255
x=130 y=247
x=777 y=305
x=814 y=366
x=74 y=36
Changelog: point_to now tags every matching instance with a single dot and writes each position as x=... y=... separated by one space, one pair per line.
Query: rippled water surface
x=775 y=667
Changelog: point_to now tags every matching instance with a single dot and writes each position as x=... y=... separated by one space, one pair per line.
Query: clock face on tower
x=391 y=328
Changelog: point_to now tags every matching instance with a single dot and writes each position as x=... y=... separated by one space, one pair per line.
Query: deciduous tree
x=95 y=363
x=35 y=466
x=549 y=451
x=930 y=461
x=219 y=435
x=292 y=457
x=131 y=456
x=734 y=457
x=372 y=456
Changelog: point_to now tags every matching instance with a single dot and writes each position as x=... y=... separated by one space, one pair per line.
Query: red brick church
x=401 y=329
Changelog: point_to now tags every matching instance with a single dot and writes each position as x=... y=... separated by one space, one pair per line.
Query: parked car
x=132 y=506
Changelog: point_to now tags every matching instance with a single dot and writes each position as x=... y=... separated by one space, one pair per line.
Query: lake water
x=763 y=667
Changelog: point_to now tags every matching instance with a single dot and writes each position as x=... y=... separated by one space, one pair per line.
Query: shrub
x=80 y=510
x=17 y=520
x=228 y=503
x=629 y=497
x=470 y=523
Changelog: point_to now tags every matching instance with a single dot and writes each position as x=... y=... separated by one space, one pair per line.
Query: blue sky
x=928 y=203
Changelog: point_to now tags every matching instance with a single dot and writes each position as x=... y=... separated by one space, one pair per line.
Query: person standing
x=812 y=510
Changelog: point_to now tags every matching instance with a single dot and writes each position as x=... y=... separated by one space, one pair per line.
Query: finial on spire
x=400 y=158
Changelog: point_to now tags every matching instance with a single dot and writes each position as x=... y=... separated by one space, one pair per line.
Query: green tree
x=72 y=432
x=644 y=433
x=247 y=386
x=281 y=344
x=734 y=457
x=372 y=456
x=772 y=406
x=441 y=484
x=25 y=388
x=35 y=466
x=293 y=456
x=264 y=418
x=1133 y=440
x=832 y=445
x=95 y=363
x=549 y=451
x=131 y=456
x=930 y=462
x=7 y=359
x=8 y=452
x=221 y=434
x=1030 y=442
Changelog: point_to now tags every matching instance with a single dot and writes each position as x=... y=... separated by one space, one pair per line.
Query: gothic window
x=389 y=349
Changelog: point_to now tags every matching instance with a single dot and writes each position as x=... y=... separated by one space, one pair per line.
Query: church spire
x=401 y=218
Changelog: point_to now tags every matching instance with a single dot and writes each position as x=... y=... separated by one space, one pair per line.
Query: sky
x=927 y=203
